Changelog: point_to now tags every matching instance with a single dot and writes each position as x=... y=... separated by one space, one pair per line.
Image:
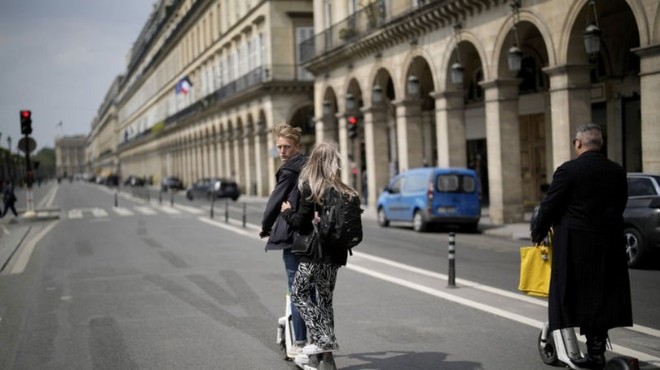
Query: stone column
x=228 y=153
x=450 y=128
x=376 y=148
x=236 y=157
x=409 y=134
x=344 y=149
x=261 y=159
x=248 y=162
x=503 y=138
x=650 y=96
x=570 y=102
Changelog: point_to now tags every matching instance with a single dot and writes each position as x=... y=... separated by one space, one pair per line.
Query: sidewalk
x=518 y=231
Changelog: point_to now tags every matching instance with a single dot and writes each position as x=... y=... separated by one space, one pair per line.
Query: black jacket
x=301 y=220
x=281 y=236
x=589 y=287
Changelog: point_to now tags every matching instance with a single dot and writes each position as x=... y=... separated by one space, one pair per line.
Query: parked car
x=642 y=218
x=171 y=183
x=430 y=196
x=213 y=187
x=134 y=181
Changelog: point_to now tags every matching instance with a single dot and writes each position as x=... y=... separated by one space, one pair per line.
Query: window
x=640 y=186
x=302 y=34
x=456 y=184
x=416 y=183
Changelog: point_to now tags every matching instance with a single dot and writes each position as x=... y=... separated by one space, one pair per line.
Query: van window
x=416 y=183
x=456 y=184
x=395 y=186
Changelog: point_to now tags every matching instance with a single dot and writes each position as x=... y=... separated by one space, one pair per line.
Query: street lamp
x=592 y=33
x=377 y=94
x=515 y=54
x=350 y=102
x=326 y=108
x=457 y=69
x=413 y=85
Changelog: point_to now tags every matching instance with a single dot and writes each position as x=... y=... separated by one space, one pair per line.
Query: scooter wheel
x=622 y=363
x=548 y=351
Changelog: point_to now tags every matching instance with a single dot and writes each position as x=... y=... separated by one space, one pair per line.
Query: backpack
x=341 y=220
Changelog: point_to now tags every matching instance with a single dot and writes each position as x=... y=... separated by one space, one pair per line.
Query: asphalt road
x=148 y=285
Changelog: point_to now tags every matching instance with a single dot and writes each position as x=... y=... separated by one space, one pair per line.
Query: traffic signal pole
x=26 y=129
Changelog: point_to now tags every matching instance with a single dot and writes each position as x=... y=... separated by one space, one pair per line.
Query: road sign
x=30 y=144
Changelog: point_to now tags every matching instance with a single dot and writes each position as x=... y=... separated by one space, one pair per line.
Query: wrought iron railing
x=358 y=24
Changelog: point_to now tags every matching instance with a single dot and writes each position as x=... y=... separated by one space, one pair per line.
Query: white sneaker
x=301 y=360
x=313 y=349
x=294 y=351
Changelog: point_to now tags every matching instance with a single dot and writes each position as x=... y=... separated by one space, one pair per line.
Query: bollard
x=212 y=204
x=227 y=211
x=244 y=214
x=160 y=197
x=171 y=199
x=116 y=199
x=451 y=276
x=148 y=196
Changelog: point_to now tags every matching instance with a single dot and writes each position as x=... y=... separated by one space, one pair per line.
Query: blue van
x=428 y=196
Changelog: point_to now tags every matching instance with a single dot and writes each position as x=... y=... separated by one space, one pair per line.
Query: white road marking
x=99 y=212
x=169 y=210
x=192 y=210
x=75 y=213
x=26 y=251
x=123 y=211
x=146 y=210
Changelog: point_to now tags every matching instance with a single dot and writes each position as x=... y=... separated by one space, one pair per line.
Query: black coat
x=589 y=287
x=301 y=220
x=281 y=235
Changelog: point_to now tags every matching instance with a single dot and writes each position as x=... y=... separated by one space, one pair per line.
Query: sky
x=58 y=58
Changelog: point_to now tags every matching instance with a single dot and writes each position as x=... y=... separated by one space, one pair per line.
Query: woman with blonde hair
x=319 y=180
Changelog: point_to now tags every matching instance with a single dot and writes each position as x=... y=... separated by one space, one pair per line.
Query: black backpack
x=341 y=220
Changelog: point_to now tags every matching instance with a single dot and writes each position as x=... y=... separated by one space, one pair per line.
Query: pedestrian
x=280 y=236
x=9 y=198
x=589 y=286
x=320 y=178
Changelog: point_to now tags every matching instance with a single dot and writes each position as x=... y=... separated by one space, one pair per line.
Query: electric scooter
x=322 y=361
x=560 y=347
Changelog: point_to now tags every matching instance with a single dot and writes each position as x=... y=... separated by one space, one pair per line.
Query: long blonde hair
x=323 y=171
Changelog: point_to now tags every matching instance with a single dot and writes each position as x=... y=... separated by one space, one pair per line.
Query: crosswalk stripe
x=99 y=212
x=146 y=210
x=123 y=211
x=169 y=210
x=192 y=210
x=75 y=213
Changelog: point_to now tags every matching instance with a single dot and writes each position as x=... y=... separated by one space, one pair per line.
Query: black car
x=171 y=183
x=134 y=181
x=642 y=218
x=213 y=187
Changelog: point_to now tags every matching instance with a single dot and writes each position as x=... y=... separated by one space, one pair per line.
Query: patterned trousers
x=319 y=317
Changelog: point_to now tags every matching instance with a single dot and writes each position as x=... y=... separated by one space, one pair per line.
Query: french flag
x=183 y=86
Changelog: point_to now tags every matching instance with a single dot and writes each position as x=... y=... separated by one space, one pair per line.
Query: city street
x=137 y=279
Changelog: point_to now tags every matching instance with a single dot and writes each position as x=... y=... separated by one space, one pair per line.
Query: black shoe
x=594 y=362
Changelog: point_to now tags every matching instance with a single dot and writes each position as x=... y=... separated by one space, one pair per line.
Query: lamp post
x=377 y=94
x=514 y=57
x=592 y=33
x=413 y=85
x=456 y=72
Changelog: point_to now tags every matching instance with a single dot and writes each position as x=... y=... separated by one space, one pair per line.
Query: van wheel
x=382 y=219
x=419 y=224
x=634 y=247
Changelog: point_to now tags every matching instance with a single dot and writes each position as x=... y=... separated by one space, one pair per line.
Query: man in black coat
x=589 y=287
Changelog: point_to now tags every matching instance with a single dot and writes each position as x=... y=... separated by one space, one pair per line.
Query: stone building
x=498 y=86
x=102 y=159
x=206 y=80
x=495 y=85
x=70 y=155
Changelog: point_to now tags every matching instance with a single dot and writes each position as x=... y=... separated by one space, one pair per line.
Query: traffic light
x=26 y=122
x=352 y=126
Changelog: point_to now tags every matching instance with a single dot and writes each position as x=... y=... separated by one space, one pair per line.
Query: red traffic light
x=26 y=114
x=26 y=122
x=352 y=120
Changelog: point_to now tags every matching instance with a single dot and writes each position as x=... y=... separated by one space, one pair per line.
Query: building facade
x=206 y=81
x=102 y=158
x=498 y=86
x=70 y=159
x=495 y=85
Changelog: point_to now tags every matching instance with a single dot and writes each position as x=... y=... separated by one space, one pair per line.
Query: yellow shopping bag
x=535 y=266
